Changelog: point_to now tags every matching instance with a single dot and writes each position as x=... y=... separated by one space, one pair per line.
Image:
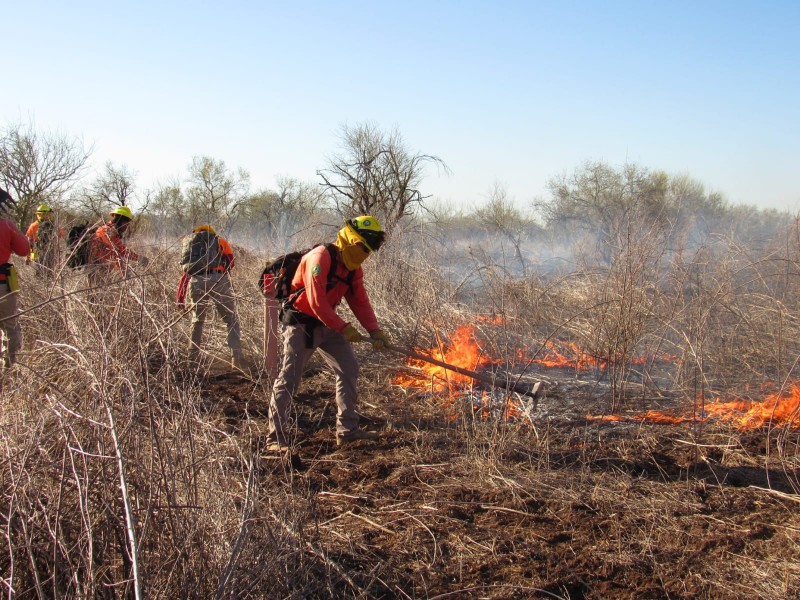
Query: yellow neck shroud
x=349 y=244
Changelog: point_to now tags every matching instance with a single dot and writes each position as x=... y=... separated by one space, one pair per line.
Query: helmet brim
x=373 y=239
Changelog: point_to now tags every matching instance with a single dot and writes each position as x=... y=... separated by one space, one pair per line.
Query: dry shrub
x=715 y=322
x=103 y=428
x=108 y=437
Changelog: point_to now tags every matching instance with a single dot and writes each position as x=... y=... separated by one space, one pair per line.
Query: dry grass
x=123 y=474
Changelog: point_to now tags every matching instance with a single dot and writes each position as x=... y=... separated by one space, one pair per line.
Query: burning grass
x=776 y=410
x=462 y=350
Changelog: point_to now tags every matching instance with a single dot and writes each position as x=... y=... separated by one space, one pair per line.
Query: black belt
x=291 y=316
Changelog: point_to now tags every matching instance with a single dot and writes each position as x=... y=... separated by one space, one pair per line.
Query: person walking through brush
x=11 y=242
x=106 y=248
x=325 y=275
x=206 y=260
x=44 y=235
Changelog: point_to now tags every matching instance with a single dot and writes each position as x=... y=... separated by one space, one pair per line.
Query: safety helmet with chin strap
x=43 y=208
x=369 y=230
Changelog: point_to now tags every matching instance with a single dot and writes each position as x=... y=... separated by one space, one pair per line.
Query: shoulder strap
x=334 y=254
x=333 y=277
x=294 y=295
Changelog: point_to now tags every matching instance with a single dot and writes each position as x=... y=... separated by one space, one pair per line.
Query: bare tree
x=215 y=193
x=501 y=217
x=282 y=212
x=604 y=202
x=170 y=209
x=38 y=168
x=375 y=174
x=116 y=186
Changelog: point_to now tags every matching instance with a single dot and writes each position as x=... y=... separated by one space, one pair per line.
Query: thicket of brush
x=116 y=479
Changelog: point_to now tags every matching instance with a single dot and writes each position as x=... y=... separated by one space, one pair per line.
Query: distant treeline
x=591 y=215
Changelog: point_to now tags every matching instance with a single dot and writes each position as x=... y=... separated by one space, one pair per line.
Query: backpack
x=78 y=244
x=44 y=233
x=281 y=271
x=201 y=253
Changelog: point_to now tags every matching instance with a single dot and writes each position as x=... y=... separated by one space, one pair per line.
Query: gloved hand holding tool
x=351 y=334
x=380 y=341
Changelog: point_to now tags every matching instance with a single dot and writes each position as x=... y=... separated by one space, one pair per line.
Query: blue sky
x=509 y=93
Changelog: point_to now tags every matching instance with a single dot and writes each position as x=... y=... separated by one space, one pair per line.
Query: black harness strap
x=291 y=316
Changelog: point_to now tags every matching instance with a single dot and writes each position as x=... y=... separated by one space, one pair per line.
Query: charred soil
x=448 y=504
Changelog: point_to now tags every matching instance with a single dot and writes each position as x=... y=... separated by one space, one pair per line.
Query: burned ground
x=449 y=504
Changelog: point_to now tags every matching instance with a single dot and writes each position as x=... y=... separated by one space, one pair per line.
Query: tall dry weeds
x=118 y=480
x=115 y=483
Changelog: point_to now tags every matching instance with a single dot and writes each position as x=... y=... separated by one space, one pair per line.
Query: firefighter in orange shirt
x=44 y=235
x=106 y=247
x=325 y=276
x=206 y=260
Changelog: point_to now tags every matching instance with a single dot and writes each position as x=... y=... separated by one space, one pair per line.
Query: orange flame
x=496 y=320
x=579 y=359
x=745 y=415
x=651 y=416
x=568 y=355
x=463 y=351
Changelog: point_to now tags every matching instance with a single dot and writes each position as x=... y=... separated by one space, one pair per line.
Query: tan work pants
x=216 y=288
x=338 y=353
x=9 y=325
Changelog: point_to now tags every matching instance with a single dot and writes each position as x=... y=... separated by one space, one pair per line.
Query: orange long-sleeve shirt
x=106 y=247
x=320 y=302
x=33 y=232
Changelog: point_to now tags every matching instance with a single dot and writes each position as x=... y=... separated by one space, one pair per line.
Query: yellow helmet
x=369 y=230
x=43 y=208
x=207 y=228
x=122 y=211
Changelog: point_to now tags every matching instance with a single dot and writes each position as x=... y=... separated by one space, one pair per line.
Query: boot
x=354 y=436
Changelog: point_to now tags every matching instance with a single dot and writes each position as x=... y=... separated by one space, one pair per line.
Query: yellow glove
x=351 y=334
x=380 y=341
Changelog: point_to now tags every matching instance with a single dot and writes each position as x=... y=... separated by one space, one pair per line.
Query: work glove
x=351 y=334
x=380 y=341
